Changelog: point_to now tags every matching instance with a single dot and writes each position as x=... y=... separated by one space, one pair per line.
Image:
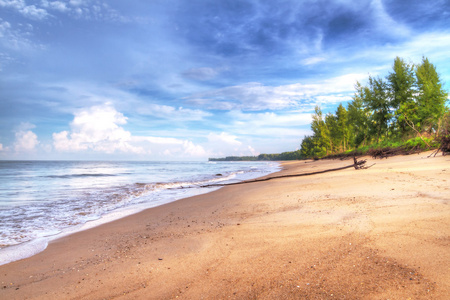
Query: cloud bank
x=191 y=79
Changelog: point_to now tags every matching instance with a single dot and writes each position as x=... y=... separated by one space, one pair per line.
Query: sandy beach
x=379 y=233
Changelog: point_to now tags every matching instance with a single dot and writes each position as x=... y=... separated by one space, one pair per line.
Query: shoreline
x=376 y=233
x=160 y=196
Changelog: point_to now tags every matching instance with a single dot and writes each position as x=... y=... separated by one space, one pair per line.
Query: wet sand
x=380 y=233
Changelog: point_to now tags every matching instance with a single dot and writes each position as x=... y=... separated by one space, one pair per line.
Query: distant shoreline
x=292 y=155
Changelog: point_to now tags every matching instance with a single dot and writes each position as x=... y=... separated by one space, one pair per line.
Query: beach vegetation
x=405 y=110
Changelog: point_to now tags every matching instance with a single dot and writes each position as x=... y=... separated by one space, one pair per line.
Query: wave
x=187 y=184
x=95 y=195
x=80 y=175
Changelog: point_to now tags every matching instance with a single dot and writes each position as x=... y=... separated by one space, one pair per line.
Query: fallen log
x=358 y=165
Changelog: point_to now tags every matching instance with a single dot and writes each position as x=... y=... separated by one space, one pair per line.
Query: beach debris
x=444 y=146
x=389 y=151
x=358 y=165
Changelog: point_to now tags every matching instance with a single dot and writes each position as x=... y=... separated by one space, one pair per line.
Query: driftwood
x=444 y=147
x=358 y=165
x=388 y=151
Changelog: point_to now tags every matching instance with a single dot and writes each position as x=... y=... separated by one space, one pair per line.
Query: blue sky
x=188 y=80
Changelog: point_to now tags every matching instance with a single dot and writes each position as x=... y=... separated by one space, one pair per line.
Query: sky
x=188 y=80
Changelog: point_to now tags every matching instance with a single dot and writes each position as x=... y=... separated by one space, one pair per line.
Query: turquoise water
x=42 y=200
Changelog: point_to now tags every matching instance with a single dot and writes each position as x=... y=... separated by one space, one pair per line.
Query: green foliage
x=377 y=103
x=358 y=118
x=420 y=143
x=322 y=136
x=431 y=97
x=342 y=130
x=402 y=89
x=394 y=112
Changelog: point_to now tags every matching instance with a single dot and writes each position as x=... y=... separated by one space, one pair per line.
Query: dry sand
x=380 y=233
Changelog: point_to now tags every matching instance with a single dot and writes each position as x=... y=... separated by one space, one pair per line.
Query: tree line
x=262 y=157
x=409 y=102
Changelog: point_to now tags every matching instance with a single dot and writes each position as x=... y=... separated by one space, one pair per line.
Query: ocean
x=44 y=200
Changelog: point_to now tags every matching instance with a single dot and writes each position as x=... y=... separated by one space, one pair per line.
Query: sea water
x=44 y=200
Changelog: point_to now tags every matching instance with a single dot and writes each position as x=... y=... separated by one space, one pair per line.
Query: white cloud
x=226 y=144
x=312 y=60
x=5 y=28
x=249 y=96
x=172 y=113
x=76 y=2
x=190 y=149
x=26 y=140
x=224 y=137
x=166 y=148
x=269 y=119
x=55 y=5
x=255 y=133
x=16 y=4
x=34 y=12
x=255 y=96
x=97 y=128
x=25 y=126
x=87 y=94
x=28 y=11
x=283 y=130
x=89 y=9
x=11 y=38
x=433 y=45
x=171 y=148
x=253 y=151
x=1 y=147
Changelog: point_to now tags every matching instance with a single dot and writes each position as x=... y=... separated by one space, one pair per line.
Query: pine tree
x=307 y=148
x=358 y=117
x=401 y=84
x=431 y=96
x=333 y=132
x=378 y=102
x=410 y=99
x=322 y=136
x=342 y=126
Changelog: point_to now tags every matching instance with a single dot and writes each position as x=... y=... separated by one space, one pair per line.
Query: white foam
x=21 y=251
x=137 y=200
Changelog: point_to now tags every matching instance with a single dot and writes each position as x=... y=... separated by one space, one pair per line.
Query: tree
x=401 y=84
x=333 y=133
x=358 y=117
x=378 y=102
x=342 y=126
x=307 y=147
x=431 y=96
x=322 y=136
x=410 y=99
